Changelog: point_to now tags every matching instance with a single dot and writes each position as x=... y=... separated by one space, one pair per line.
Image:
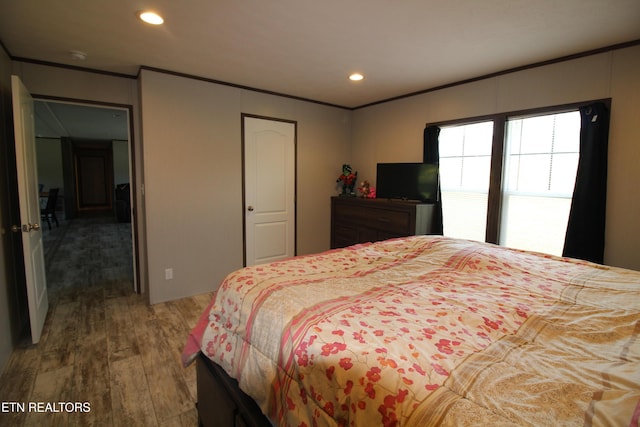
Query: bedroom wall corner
x=605 y=75
x=324 y=145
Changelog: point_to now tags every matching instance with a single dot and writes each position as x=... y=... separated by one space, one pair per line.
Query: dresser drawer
x=383 y=219
x=344 y=235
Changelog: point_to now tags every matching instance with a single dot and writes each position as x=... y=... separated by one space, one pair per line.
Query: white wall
x=392 y=132
x=193 y=174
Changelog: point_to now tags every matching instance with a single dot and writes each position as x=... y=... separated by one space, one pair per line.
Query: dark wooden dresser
x=358 y=220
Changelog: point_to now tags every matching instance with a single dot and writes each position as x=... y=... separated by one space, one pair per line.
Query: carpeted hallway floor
x=103 y=347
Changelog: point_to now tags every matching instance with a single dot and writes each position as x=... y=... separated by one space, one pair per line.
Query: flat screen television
x=407 y=181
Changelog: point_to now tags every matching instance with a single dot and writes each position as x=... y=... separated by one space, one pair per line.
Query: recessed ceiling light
x=150 y=17
x=356 y=77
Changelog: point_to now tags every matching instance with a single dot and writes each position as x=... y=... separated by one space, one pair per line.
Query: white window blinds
x=541 y=159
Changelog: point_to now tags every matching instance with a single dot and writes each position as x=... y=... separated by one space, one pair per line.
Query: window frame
x=494 y=198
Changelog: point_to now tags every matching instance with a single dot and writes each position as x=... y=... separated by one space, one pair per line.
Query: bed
x=419 y=331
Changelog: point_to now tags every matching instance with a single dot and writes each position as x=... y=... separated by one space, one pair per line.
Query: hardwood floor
x=110 y=354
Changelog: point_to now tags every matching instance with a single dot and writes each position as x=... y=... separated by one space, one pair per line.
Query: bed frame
x=221 y=403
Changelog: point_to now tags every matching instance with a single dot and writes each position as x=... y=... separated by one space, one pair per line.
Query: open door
x=29 y=200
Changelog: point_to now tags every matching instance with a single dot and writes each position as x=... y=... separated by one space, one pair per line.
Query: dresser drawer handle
x=383 y=219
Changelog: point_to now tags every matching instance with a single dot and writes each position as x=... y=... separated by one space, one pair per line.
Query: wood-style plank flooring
x=105 y=348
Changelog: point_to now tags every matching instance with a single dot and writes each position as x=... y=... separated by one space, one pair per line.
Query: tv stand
x=359 y=220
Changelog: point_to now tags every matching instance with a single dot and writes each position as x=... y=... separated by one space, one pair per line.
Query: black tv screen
x=407 y=181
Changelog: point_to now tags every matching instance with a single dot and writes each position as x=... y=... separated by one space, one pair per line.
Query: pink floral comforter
x=428 y=330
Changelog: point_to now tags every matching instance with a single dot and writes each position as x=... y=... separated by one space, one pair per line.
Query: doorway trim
x=132 y=170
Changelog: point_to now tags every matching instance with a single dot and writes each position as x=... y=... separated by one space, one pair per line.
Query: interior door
x=29 y=200
x=269 y=189
x=94 y=177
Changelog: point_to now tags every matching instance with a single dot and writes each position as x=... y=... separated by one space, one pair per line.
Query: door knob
x=250 y=208
x=25 y=227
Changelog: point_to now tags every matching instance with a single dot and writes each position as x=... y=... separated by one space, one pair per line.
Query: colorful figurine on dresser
x=348 y=179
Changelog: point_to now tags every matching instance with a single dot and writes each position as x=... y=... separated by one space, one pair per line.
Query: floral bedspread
x=428 y=330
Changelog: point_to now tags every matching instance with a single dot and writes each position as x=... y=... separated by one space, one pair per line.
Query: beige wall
x=392 y=132
x=193 y=172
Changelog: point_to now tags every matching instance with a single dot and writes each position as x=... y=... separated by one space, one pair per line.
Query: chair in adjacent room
x=49 y=211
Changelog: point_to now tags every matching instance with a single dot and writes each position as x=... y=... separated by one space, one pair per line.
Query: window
x=521 y=198
x=465 y=163
x=541 y=159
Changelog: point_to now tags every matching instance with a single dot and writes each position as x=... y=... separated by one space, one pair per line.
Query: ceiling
x=307 y=49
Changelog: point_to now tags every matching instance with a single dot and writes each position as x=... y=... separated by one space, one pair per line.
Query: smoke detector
x=77 y=55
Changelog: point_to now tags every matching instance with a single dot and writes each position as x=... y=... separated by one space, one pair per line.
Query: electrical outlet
x=168 y=273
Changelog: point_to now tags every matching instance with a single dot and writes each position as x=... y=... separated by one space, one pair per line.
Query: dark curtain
x=585 y=229
x=431 y=155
